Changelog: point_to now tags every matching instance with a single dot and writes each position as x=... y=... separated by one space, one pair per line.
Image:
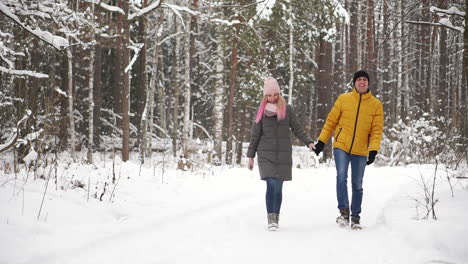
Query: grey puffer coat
x=271 y=139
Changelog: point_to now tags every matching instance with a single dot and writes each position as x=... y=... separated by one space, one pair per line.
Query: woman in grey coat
x=270 y=139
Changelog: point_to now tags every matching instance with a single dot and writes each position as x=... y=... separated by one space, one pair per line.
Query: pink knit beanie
x=271 y=86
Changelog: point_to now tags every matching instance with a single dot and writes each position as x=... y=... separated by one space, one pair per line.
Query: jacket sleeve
x=332 y=120
x=255 y=135
x=377 y=128
x=296 y=128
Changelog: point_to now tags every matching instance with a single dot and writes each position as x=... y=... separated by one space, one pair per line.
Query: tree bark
x=218 y=108
x=371 y=53
x=463 y=93
x=352 y=55
x=230 y=106
x=187 y=92
x=141 y=93
x=70 y=104
x=125 y=84
x=176 y=85
x=91 y=95
x=324 y=85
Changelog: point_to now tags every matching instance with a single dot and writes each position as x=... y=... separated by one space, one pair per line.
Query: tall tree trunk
x=324 y=85
x=463 y=92
x=442 y=105
x=291 y=53
x=125 y=84
x=176 y=85
x=218 y=109
x=426 y=68
x=97 y=94
x=405 y=72
x=352 y=54
x=91 y=95
x=370 y=41
x=339 y=82
x=232 y=88
x=386 y=84
x=141 y=92
x=147 y=122
x=117 y=54
x=187 y=92
x=70 y=103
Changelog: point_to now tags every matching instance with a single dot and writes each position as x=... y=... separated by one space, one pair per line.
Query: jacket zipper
x=355 y=123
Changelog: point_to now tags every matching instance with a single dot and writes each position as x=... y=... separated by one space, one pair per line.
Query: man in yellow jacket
x=357 y=121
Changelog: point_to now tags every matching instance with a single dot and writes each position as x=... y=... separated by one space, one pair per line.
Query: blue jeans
x=274 y=194
x=358 y=165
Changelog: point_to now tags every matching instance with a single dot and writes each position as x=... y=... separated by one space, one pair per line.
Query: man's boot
x=343 y=219
x=355 y=223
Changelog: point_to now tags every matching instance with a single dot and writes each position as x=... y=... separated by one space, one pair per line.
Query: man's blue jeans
x=358 y=165
x=274 y=195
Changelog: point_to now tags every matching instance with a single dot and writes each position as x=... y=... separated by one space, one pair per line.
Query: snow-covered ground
x=217 y=215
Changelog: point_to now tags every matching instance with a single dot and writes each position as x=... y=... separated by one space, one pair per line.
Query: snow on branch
x=225 y=22
x=144 y=11
x=450 y=11
x=55 y=41
x=106 y=7
x=136 y=48
x=23 y=73
x=12 y=140
x=444 y=22
x=176 y=9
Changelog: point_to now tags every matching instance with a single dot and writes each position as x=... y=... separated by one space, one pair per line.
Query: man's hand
x=319 y=147
x=371 y=157
x=250 y=165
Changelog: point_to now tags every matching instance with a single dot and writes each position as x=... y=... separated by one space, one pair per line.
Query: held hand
x=371 y=157
x=319 y=147
x=312 y=146
x=250 y=165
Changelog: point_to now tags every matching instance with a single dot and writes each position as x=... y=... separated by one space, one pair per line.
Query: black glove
x=371 y=157
x=319 y=147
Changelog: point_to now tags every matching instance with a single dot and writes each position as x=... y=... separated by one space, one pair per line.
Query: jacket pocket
x=338 y=134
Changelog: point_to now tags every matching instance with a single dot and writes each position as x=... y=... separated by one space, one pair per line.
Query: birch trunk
x=175 y=128
x=91 y=96
x=463 y=93
x=232 y=88
x=150 y=99
x=70 y=103
x=291 y=54
x=125 y=85
x=370 y=65
x=187 y=91
x=218 y=108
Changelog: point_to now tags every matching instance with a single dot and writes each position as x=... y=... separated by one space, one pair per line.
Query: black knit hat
x=360 y=73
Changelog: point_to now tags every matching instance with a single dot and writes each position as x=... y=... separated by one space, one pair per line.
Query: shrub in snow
x=419 y=141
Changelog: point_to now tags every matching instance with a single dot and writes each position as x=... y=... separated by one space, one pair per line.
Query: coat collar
x=365 y=96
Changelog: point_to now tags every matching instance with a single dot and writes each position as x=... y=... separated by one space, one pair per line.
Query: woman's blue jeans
x=358 y=165
x=274 y=195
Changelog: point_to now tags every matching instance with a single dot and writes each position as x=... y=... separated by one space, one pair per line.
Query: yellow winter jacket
x=357 y=120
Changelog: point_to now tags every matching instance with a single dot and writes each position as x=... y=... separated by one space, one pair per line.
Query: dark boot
x=355 y=223
x=276 y=220
x=272 y=224
x=343 y=219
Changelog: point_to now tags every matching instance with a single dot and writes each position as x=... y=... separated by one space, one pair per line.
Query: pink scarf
x=269 y=108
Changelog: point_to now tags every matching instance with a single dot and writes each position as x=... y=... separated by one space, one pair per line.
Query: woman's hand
x=251 y=164
x=312 y=146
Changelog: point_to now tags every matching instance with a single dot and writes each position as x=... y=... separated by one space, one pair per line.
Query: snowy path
x=222 y=219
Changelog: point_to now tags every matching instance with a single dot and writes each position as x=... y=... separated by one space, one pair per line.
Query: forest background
x=184 y=76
